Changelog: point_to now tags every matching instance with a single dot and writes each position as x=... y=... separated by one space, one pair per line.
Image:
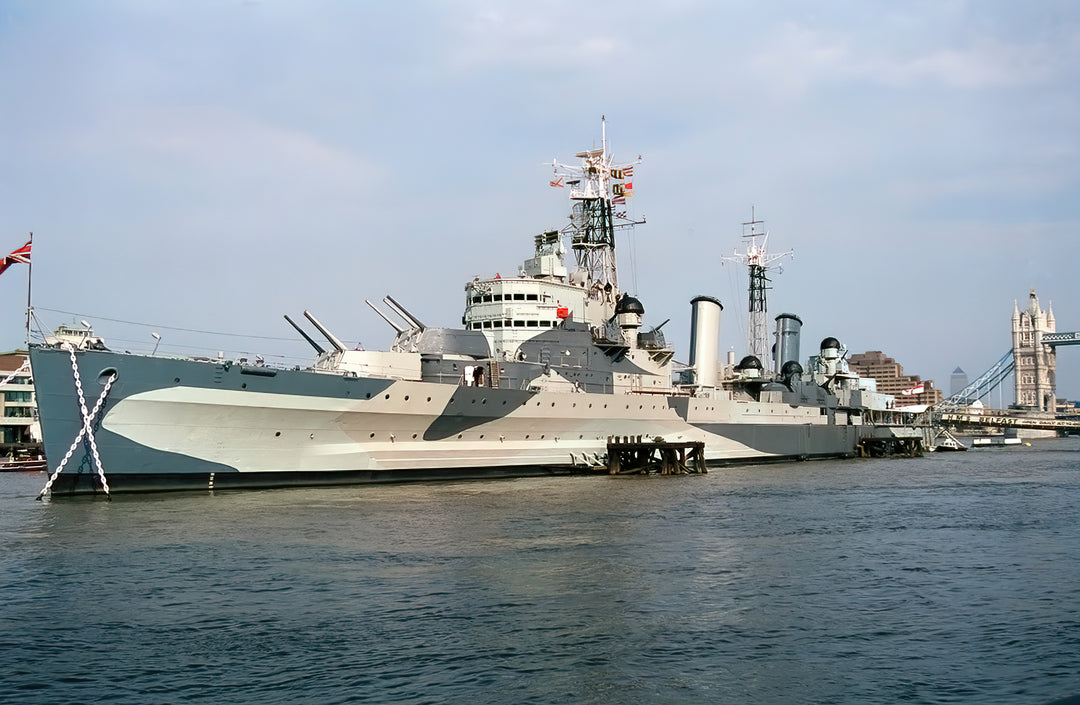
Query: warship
x=552 y=367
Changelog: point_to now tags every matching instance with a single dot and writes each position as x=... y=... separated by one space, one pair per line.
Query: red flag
x=19 y=256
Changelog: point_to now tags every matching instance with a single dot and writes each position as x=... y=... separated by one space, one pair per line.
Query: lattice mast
x=598 y=189
x=759 y=262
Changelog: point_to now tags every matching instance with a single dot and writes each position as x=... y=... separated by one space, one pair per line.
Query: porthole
x=406 y=397
x=243 y=385
x=387 y=396
x=176 y=380
x=372 y=435
x=276 y=435
x=459 y=435
x=368 y=395
x=429 y=398
x=414 y=435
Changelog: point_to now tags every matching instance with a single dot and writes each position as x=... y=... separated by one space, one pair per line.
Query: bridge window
x=519 y=297
x=496 y=324
x=519 y=324
x=497 y=297
x=532 y=297
x=533 y=324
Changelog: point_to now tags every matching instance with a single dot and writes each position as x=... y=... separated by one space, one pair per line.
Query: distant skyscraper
x=957 y=381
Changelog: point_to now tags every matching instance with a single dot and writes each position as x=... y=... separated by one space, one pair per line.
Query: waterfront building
x=19 y=427
x=909 y=390
x=1036 y=364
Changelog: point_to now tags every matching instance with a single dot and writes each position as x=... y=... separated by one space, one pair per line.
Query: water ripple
x=933 y=580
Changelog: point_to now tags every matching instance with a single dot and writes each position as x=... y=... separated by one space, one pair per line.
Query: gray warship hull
x=183 y=424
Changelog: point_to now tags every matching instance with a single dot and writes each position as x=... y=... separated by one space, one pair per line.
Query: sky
x=199 y=167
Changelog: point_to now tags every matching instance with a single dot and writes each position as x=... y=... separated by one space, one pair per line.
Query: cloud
x=794 y=59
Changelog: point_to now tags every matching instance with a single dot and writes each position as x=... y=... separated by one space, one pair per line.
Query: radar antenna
x=758 y=260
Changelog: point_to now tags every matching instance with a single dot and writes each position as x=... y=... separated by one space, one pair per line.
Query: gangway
x=1006 y=419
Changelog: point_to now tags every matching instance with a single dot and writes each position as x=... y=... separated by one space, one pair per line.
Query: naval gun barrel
x=318 y=348
x=338 y=345
x=400 y=310
x=383 y=316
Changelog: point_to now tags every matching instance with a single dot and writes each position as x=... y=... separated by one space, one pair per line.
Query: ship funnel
x=788 y=329
x=705 y=340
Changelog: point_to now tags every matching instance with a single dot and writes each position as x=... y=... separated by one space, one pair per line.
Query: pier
x=636 y=455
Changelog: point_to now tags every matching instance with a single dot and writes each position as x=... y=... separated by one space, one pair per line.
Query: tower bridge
x=1032 y=362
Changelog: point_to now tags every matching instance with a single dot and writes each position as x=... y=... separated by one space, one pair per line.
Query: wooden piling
x=631 y=455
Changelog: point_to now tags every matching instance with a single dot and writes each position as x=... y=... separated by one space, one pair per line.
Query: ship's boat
x=550 y=366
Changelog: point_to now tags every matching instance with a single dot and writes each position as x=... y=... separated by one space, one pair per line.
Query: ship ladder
x=87 y=430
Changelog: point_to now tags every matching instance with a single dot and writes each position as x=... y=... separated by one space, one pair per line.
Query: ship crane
x=759 y=262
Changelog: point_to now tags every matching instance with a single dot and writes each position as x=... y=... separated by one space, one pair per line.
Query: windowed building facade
x=19 y=426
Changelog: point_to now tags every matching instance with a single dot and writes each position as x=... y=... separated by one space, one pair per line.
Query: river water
x=953 y=578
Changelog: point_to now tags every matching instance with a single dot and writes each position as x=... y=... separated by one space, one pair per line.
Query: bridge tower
x=1036 y=362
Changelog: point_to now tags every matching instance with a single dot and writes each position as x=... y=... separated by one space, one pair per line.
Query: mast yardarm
x=598 y=189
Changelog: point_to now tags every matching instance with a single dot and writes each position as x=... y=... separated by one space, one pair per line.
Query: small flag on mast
x=19 y=256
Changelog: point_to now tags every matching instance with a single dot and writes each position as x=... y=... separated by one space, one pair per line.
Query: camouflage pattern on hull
x=170 y=424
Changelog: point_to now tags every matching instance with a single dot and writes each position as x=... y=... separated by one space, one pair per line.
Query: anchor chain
x=87 y=429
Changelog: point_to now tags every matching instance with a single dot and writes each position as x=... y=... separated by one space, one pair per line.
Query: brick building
x=909 y=390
